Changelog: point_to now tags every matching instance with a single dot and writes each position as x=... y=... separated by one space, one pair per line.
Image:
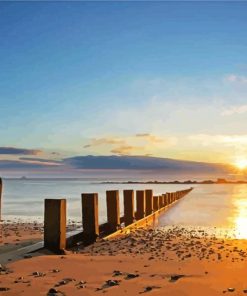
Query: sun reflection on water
x=241 y=217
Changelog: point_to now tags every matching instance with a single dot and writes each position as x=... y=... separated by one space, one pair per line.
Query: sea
x=218 y=207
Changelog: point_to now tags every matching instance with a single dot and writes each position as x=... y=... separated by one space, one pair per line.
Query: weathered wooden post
x=168 y=198
x=160 y=201
x=156 y=203
x=149 y=201
x=113 y=210
x=173 y=196
x=90 y=216
x=55 y=224
x=129 y=211
x=164 y=199
x=1 y=191
x=140 y=204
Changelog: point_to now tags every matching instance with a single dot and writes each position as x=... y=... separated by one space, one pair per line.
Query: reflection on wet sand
x=240 y=220
x=218 y=209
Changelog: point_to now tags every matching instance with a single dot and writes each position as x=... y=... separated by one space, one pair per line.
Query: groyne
x=141 y=207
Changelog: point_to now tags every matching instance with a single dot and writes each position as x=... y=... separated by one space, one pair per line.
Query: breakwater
x=140 y=207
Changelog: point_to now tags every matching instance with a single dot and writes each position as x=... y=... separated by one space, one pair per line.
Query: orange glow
x=241 y=164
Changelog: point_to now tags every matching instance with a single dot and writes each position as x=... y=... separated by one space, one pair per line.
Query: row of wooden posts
x=146 y=205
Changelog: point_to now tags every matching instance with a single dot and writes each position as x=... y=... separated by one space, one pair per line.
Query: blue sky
x=167 y=79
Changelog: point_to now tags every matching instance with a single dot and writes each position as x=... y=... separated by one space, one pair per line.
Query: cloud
x=125 y=150
x=236 y=78
x=137 y=144
x=234 y=110
x=74 y=165
x=140 y=163
x=150 y=138
x=18 y=151
x=104 y=141
x=55 y=153
x=41 y=161
x=227 y=140
x=15 y=165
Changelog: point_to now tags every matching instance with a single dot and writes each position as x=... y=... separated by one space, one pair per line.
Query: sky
x=162 y=79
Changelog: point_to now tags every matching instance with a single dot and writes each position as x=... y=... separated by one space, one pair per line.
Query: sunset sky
x=124 y=78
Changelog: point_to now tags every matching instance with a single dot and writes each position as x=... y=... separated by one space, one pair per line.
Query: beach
x=198 y=246
x=17 y=234
x=174 y=261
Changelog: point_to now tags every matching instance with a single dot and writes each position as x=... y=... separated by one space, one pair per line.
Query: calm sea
x=208 y=206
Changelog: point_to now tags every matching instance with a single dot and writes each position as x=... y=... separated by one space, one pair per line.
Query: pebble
x=4 y=289
x=65 y=282
x=112 y=283
x=176 y=277
x=55 y=292
x=148 y=289
x=38 y=274
x=27 y=256
x=117 y=273
x=131 y=276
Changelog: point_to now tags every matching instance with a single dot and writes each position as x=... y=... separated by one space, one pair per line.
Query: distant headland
x=218 y=181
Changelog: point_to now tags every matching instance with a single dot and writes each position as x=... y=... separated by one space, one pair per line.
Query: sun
x=241 y=164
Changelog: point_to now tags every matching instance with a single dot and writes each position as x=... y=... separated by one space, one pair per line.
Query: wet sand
x=147 y=261
x=14 y=235
x=17 y=234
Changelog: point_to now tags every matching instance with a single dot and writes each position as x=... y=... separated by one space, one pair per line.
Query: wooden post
x=169 y=197
x=156 y=203
x=163 y=201
x=55 y=224
x=160 y=202
x=1 y=191
x=140 y=204
x=90 y=216
x=149 y=201
x=129 y=211
x=113 y=210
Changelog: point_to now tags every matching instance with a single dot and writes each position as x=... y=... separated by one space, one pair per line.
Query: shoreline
x=175 y=262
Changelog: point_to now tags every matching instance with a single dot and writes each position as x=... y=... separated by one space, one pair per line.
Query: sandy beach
x=20 y=233
x=16 y=234
x=172 y=261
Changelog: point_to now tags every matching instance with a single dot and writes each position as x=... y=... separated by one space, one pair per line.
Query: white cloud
x=236 y=78
x=227 y=140
x=234 y=110
x=142 y=143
